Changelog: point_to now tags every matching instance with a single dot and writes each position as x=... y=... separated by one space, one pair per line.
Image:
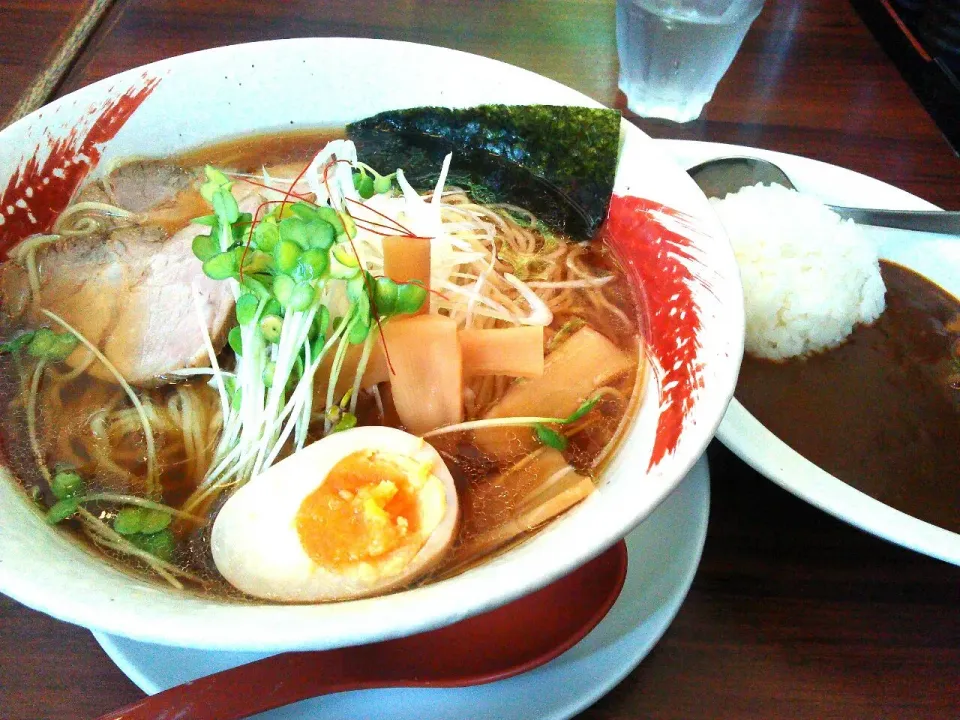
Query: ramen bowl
x=670 y=244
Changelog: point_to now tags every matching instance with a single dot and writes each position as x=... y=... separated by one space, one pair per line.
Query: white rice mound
x=808 y=277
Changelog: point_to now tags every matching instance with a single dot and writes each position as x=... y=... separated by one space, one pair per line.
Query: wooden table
x=792 y=614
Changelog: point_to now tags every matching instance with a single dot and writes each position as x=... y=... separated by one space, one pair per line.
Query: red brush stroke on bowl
x=658 y=262
x=38 y=192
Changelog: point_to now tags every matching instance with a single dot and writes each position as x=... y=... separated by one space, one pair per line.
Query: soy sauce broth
x=248 y=153
x=882 y=411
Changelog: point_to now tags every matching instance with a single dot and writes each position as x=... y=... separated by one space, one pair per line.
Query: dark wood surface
x=32 y=31
x=793 y=614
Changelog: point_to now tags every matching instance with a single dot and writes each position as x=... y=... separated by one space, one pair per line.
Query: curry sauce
x=882 y=411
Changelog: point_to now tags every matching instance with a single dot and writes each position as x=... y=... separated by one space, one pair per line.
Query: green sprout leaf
x=18 y=343
x=322 y=320
x=266 y=234
x=246 y=309
x=48 y=345
x=64 y=345
x=215 y=180
x=350 y=227
x=385 y=293
x=358 y=331
x=296 y=371
x=221 y=266
x=586 y=407
x=322 y=234
x=565 y=331
x=315 y=262
x=295 y=230
x=318 y=331
x=357 y=287
x=159 y=544
x=347 y=420
x=550 y=438
x=66 y=484
x=382 y=184
x=364 y=185
x=154 y=521
x=235 y=340
x=287 y=254
x=225 y=206
x=269 y=370
x=344 y=254
x=316 y=214
x=305 y=211
x=62 y=509
x=283 y=287
x=410 y=298
x=240 y=228
x=272 y=307
x=253 y=261
x=302 y=297
x=208 y=220
x=129 y=520
x=42 y=343
x=205 y=247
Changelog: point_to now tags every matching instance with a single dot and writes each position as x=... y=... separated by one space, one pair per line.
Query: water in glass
x=674 y=52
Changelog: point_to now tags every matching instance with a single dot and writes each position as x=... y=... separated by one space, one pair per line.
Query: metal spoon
x=727 y=175
x=510 y=640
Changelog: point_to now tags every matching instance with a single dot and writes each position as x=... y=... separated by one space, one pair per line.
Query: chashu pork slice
x=132 y=295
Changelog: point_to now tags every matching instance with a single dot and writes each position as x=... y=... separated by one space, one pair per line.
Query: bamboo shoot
x=571 y=374
x=427 y=378
x=515 y=352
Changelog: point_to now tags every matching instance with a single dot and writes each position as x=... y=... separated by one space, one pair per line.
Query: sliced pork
x=133 y=297
x=131 y=287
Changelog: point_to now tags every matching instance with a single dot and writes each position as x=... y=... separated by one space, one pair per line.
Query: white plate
x=664 y=551
x=935 y=256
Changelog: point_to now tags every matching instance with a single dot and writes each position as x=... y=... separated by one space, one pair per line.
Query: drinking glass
x=674 y=52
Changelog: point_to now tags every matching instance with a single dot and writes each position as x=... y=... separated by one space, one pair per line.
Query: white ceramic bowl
x=275 y=86
x=937 y=257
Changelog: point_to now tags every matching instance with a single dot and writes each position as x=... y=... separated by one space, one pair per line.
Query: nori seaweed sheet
x=559 y=162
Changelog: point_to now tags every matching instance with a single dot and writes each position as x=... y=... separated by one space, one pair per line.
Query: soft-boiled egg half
x=357 y=513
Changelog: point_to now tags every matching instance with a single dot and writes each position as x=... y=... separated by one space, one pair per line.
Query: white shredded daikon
x=339 y=178
x=585 y=283
x=540 y=314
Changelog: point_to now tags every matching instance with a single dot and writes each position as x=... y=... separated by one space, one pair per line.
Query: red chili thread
x=370 y=225
x=406 y=233
x=298 y=179
x=377 y=212
x=298 y=196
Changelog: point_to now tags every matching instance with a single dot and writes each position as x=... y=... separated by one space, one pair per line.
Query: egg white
x=256 y=546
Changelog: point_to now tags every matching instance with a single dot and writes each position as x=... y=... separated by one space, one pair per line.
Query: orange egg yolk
x=365 y=509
